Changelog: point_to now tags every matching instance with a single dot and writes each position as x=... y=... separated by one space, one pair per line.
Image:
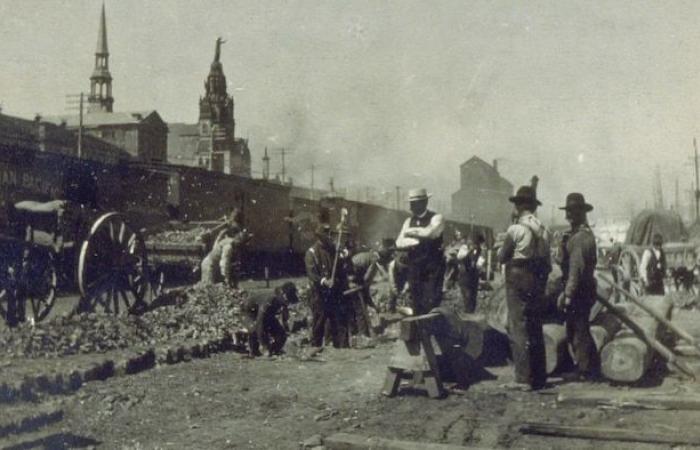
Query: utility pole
x=266 y=166
x=331 y=186
x=398 y=197
x=284 y=152
x=313 y=168
x=80 y=129
x=72 y=106
x=676 y=200
x=697 y=182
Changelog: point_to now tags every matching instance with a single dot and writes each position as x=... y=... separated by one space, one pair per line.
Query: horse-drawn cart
x=46 y=245
x=626 y=268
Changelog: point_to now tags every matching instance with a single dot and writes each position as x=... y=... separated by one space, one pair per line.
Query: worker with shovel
x=325 y=269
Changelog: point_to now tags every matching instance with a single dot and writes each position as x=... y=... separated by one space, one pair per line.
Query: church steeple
x=100 y=98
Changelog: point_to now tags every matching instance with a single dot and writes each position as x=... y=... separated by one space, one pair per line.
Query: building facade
x=211 y=143
x=483 y=195
x=142 y=134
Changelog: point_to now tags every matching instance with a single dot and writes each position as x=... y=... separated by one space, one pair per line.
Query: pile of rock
x=184 y=236
x=194 y=313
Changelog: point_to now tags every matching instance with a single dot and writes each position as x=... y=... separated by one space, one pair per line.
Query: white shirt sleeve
x=432 y=231
x=462 y=252
x=646 y=256
x=403 y=242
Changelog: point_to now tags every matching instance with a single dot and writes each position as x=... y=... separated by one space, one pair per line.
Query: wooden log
x=686 y=402
x=629 y=355
x=554 y=345
x=610 y=434
x=664 y=320
x=346 y=441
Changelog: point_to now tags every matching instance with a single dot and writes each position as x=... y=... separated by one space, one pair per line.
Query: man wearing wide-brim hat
x=525 y=252
x=327 y=280
x=421 y=237
x=579 y=258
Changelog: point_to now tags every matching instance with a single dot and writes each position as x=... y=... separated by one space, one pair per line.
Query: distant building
x=48 y=137
x=143 y=134
x=211 y=143
x=483 y=195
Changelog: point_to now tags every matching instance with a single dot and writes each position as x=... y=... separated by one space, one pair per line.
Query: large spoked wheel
x=628 y=272
x=39 y=281
x=113 y=268
x=29 y=286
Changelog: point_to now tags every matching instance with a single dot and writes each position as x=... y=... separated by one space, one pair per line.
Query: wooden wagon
x=43 y=244
x=626 y=268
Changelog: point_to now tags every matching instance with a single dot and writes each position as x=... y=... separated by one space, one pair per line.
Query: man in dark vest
x=421 y=237
x=578 y=266
x=327 y=287
x=652 y=269
x=525 y=252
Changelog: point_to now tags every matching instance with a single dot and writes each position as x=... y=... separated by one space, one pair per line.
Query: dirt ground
x=231 y=401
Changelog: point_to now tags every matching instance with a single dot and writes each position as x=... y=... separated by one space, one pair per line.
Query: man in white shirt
x=652 y=269
x=421 y=237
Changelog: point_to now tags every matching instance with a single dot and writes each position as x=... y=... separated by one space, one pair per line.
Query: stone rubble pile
x=193 y=313
x=186 y=236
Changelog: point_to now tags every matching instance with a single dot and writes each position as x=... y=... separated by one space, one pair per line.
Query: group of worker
x=420 y=263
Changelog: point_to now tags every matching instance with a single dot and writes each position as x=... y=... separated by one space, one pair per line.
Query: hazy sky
x=590 y=96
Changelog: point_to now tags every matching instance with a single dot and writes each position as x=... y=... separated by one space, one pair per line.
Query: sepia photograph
x=349 y=225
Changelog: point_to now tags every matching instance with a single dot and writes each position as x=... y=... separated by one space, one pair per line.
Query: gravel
x=193 y=313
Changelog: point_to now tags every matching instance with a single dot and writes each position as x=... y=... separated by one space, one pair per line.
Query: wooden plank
x=346 y=441
x=686 y=402
x=610 y=434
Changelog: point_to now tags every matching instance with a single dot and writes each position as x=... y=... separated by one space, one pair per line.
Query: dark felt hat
x=525 y=194
x=575 y=200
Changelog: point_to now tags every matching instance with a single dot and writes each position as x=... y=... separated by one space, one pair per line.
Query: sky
x=590 y=96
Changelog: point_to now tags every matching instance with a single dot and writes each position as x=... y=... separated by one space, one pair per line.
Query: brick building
x=211 y=143
x=143 y=134
x=483 y=195
x=50 y=138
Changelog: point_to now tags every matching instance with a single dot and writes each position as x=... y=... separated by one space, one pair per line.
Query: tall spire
x=100 y=98
x=102 y=35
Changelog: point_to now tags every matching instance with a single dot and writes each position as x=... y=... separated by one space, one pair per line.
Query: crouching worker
x=261 y=310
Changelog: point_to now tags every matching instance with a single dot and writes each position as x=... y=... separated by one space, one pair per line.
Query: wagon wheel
x=113 y=267
x=39 y=281
x=30 y=286
x=628 y=272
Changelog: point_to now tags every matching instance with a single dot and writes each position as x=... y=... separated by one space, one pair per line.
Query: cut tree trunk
x=628 y=357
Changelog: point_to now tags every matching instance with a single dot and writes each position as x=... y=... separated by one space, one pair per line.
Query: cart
x=45 y=243
x=626 y=269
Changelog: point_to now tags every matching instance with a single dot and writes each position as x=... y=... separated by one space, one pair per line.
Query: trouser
x=578 y=335
x=525 y=305
x=327 y=313
x=398 y=277
x=230 y=265
x=425 y=285
x=359 y=317
x=655 y=287
x=273 y=338
x=469 y=288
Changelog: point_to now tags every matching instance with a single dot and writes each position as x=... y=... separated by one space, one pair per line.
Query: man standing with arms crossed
x=525 y=252
x=421 y=237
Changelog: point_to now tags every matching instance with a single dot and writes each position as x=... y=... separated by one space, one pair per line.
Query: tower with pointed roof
x=100 y=98
x=217 y=147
